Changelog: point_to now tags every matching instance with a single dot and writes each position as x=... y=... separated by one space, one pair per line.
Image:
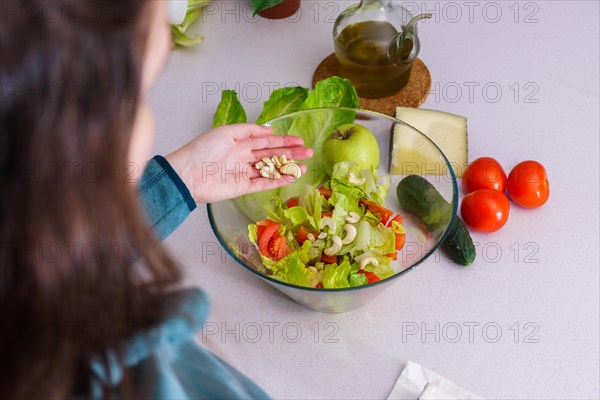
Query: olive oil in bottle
x=362 y=51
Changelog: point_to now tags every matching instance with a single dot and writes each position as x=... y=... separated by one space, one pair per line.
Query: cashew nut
x=311 y=237
x=327 y=221
x=267 y=161
x=350 y=234
x=291 y=169
x=368 y=260
x=268 y=171
x=273 y=167
x=353 y=218
x=335 y=248
x=312 y=269
x=276 y=161
x=322 y=235
x=354 y=179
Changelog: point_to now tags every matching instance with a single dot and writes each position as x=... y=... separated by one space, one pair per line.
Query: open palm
x=219 y=164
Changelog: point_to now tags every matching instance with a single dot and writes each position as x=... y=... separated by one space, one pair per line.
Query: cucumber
x=421 y=199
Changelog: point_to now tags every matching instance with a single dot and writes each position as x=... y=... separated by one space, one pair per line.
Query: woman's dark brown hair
x=80 y=271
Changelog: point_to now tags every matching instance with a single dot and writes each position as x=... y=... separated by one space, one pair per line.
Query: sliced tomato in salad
x=370 y=276
x=400 y=240
x=278 y=247
x=328 y=259
x=325 y=192
x=302 y=235
x=398 y=218
x=271 y=243
x=262 y=225
x=292 y=202
x=378 y=210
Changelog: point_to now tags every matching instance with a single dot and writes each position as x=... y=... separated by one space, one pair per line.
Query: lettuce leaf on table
x=229 y=110
x=179 y=32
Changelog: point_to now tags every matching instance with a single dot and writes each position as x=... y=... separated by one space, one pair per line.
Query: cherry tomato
x=378 y=210
x=485 y=210
x=528 y=184
x=292 y=202
x=484 y=173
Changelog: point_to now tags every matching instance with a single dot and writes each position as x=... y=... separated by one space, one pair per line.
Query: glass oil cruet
x=373 y=54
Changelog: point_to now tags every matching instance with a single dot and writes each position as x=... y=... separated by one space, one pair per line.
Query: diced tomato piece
x=400 y=240
x=302 y=235
x=328 y=259
x=380 y=211
x=327 y=214
x=325 y=192
x=398 y=218
x=393 y=256
x=292 y=202
x=319 y=285
x=370 y=276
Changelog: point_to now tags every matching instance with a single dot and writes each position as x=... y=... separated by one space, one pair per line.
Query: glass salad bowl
x=230 y=219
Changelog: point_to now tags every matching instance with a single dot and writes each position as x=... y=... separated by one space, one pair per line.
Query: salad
x=338 y=235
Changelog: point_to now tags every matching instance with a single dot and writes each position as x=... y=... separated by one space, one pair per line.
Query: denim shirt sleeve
x=164 y=197
x=169 y=362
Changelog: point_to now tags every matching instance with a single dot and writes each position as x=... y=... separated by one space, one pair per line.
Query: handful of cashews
x=274 y=167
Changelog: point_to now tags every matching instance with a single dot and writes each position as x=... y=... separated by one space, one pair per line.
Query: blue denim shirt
x=168 y=360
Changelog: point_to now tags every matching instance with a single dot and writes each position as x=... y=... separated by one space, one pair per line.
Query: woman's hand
x=219 y=164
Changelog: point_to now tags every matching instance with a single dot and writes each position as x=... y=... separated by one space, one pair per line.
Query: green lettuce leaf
x=336 y=276
x=282 y=101
x=178 y=32
x=229 y=110
x=356 y=279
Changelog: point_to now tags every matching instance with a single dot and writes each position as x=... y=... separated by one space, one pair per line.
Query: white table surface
x=527 y=309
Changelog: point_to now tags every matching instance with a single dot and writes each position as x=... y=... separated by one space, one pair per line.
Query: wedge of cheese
x=413 y=154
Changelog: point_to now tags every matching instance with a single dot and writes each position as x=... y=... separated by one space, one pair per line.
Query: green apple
x=352 y=142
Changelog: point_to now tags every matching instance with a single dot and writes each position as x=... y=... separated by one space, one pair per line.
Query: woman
x=86 y=291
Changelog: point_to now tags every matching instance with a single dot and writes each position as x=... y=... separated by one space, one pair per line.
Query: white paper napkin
x=417 y=382
x=176 y=10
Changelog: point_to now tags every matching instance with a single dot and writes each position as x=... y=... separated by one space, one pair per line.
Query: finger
x=275 y=141
x=291 y=153
x=246 y=131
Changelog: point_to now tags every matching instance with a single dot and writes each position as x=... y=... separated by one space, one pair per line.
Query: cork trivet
x=412 y=95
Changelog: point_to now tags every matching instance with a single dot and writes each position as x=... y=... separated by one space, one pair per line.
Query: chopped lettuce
x=373 y=239
x=357 y=279
x=336 y=276
x=229 y=110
